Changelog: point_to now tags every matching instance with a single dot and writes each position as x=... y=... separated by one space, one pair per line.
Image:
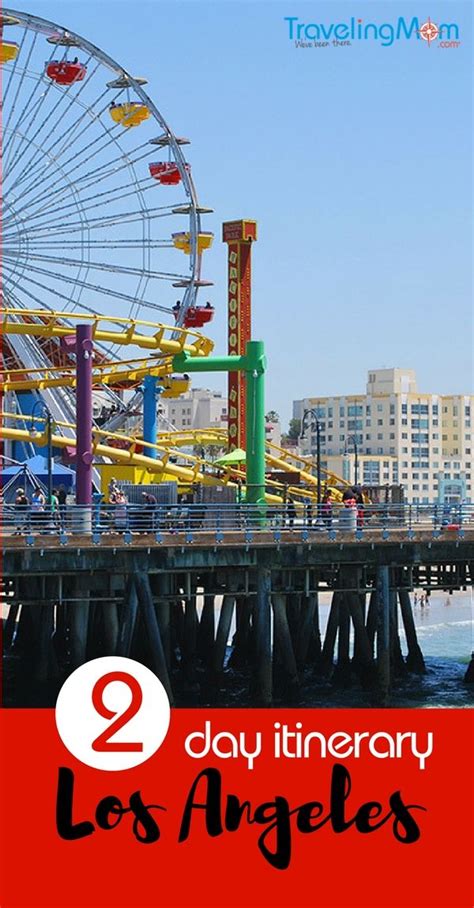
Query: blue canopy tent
x=24 y=474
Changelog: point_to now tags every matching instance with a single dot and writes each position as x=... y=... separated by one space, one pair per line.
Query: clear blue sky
x=355 y=161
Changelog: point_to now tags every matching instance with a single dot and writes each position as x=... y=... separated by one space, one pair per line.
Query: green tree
x=272 y=416
x=294 y=429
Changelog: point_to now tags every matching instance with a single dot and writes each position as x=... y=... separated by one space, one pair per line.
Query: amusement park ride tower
x=239 y=236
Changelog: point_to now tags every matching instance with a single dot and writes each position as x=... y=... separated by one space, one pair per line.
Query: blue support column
x=150 y=418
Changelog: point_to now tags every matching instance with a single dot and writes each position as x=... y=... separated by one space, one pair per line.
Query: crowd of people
x=37 y=514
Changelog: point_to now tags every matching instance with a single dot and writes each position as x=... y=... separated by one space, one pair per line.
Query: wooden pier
x=172 y=605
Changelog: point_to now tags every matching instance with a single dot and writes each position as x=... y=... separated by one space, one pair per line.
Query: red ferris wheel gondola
x=167 y=172
x=65 y=72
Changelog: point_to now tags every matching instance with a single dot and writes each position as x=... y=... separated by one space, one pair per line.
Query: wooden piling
x=145 y=601
x=383 y=634
x=309 y=635
x=129 y=618
x=414 y=661
x=262 y=681
x=223 y=631
x=342 y=671
x=399 y=668
x=327 y=655
x=286 y=653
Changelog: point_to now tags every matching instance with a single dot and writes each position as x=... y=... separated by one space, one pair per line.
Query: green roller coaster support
x=253 y=363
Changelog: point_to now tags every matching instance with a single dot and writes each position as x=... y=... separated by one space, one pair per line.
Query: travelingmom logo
x=353 y=30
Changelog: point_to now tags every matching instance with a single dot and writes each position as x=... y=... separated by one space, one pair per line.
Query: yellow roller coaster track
x=168 y=447
x=125 y=372
x=163 y=341
x=152 y=336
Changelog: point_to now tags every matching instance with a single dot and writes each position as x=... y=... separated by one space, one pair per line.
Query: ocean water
x=445 y=633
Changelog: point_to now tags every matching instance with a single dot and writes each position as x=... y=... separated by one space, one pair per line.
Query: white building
x=421 y=441
x=199 y=408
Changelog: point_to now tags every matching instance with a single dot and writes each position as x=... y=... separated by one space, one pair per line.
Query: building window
x=379 y=450
x=392 y=434
x=380 y=422
x=380 y=436
x=404 y=408
x=379 y=408
x=392 y=408
x=404 y=475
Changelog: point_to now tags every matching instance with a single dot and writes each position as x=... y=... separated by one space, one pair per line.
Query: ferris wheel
x=99 y=209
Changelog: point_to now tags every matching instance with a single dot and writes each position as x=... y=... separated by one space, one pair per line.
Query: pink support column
x=84 y=454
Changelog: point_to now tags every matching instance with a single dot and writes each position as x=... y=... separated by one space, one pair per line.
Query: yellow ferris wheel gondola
x=131 y=113
x=183 y=241
x=8 y=51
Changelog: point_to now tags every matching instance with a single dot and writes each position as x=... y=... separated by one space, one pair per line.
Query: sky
x=354 y=160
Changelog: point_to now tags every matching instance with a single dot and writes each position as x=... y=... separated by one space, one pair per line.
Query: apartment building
x=401 y=436
x=199 y=408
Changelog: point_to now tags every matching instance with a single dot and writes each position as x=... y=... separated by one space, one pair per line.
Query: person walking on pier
x=149 y=513
x=62 y=499
x=54 y=509
x=21 y=511
x=120 y=511
x=37 y=507
x=291 y=513
x=348 y=515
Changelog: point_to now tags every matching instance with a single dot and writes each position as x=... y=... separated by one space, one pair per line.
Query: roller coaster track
x=163 y=342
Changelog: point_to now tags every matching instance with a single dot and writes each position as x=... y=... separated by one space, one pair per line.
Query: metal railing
x=192 y=521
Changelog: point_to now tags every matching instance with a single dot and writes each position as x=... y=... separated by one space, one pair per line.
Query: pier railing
x=192 y=522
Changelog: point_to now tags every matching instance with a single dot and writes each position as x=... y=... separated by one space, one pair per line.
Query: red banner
x=255 y=808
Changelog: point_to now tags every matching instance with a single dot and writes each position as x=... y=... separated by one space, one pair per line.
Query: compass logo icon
x=428 y=31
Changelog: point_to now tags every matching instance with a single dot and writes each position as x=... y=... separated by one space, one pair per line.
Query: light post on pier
x=353 y=439
x=48 y=422
x=310 y=419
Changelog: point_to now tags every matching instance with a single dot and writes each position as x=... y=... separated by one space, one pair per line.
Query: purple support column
x=84 y=455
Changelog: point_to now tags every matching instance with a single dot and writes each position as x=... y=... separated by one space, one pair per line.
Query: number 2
x=102 y=742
